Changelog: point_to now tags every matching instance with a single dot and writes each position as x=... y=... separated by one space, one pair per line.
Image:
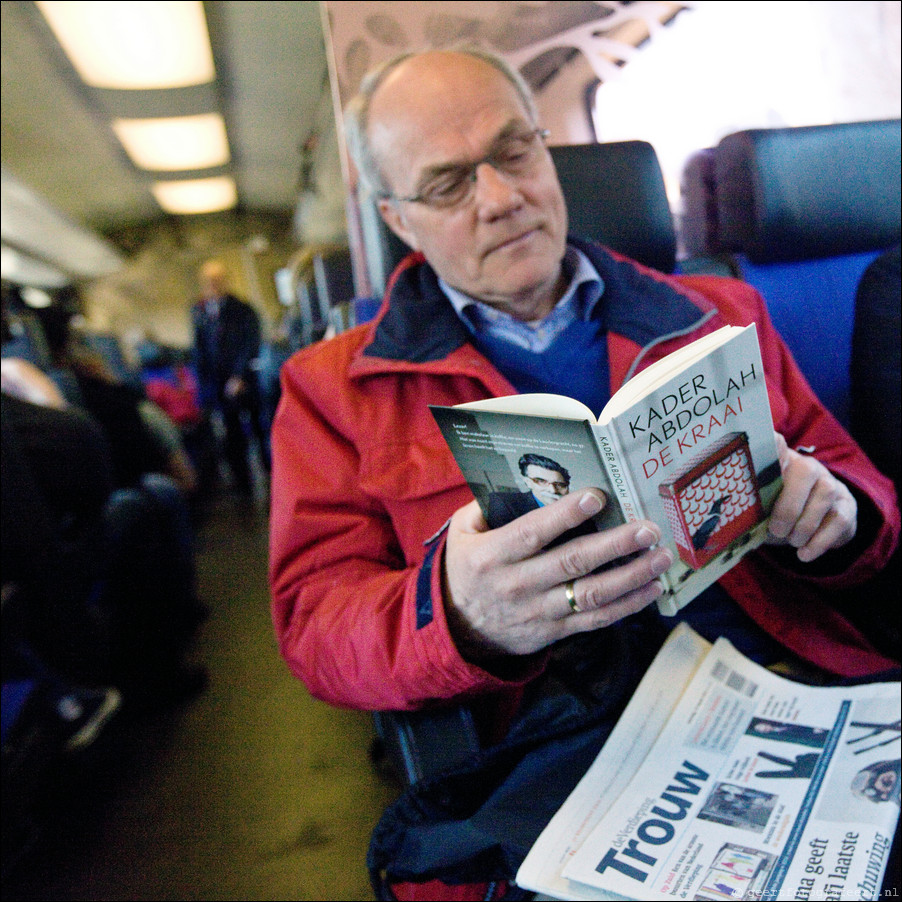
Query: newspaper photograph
x=756 y=787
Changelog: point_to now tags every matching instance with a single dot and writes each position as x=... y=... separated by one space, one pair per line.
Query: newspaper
x=723 y=780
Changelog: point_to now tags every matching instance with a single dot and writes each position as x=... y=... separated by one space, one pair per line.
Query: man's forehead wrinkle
x=454 y=144
x=415 y=100
x=462 y=160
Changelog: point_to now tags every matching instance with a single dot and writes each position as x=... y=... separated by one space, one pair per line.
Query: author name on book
x=679 y=421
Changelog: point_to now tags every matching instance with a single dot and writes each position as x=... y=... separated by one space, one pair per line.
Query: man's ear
x=394 y=218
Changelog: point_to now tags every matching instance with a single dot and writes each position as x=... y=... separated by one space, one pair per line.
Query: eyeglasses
x=514 y=156
x=543 y=483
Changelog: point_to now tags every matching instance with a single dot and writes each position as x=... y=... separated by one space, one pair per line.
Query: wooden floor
x=252 y=790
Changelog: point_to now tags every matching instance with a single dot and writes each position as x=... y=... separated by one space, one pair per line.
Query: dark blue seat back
x=803 y=211
x=615 y=194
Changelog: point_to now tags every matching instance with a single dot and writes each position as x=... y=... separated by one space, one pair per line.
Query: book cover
x=697 y=455
x=688 y=443
x=514 y=463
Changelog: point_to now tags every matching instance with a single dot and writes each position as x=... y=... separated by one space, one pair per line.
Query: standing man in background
x=226 y=343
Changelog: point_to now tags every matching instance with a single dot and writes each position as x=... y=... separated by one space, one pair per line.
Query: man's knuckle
x=515 y=586
x=603 y=617
x=482 y=560
x=528 y=537
x=572 y=564
x=593 y=596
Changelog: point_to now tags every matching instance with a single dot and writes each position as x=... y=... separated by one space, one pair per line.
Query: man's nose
x=495 y=192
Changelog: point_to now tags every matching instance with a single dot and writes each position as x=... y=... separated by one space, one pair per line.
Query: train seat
x=615 y=194
x=800 y=213
x=697 y=218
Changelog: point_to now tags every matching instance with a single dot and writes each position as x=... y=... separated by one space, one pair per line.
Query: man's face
x=765 y=727
x=884 y=784
x=547 y=485
x=212 y=281
x=505 y=244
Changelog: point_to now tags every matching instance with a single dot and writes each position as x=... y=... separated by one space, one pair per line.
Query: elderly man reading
x=389 y=589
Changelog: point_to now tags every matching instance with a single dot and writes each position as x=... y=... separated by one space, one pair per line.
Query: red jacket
x=362 y=478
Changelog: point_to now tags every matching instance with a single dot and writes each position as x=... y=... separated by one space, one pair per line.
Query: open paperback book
x=688 y=443
x=723 y=780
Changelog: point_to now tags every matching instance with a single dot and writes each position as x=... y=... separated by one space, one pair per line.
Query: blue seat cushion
x=803 y=299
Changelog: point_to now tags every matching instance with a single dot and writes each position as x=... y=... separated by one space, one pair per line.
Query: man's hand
x=815 y=511
x=506 y=593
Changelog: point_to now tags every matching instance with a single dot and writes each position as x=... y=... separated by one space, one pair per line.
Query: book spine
x=621 y=482
x=628 y=498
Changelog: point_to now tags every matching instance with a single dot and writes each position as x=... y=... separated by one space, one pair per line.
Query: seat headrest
x=615 y=195
x=698 y=191
x=789 y=194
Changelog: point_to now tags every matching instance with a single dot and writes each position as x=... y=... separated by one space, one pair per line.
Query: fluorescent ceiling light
x=196 y=195
x=134 y=45
x=40 y=230
x=180 y=142
x=24 y=270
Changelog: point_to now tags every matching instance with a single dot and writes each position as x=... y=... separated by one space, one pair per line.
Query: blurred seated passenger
x=35 y=693
x=105 y=595
x=172 y=386
x=24 y=380
x=137 y=442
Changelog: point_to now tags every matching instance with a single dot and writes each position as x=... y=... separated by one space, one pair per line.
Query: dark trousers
x=242 y=418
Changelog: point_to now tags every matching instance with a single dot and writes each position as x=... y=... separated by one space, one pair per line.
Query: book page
x=537 y=404
x=664 y=369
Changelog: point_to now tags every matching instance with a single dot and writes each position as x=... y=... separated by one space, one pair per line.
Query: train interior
x=237 y=783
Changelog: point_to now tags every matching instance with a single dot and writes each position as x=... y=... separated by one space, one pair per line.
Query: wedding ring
x=571 y=598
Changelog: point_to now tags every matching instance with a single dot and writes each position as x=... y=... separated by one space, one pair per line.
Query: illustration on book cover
x=714 y=501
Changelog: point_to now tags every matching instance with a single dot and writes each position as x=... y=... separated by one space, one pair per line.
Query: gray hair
x=356 y=114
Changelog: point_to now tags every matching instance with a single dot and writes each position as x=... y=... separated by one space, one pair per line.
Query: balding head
x=466 y=179
x=213 y=279
x=426 y=64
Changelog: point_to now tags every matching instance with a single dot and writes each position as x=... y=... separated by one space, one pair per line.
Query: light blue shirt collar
x=537 y=337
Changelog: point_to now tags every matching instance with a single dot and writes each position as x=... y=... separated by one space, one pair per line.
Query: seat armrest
x=421 y=744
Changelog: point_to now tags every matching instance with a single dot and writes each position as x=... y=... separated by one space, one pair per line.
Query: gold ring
x=571 y=597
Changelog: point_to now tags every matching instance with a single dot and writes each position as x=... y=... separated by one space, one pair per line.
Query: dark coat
x=507 y=506
x=224 y=346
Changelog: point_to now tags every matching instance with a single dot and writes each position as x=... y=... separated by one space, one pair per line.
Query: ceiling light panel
x=134 y=45
x=24 y=270
x=39 y=230
x=176 y=143
x=208 y=195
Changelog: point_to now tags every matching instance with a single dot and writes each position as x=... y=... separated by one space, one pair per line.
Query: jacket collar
x=417 y=323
